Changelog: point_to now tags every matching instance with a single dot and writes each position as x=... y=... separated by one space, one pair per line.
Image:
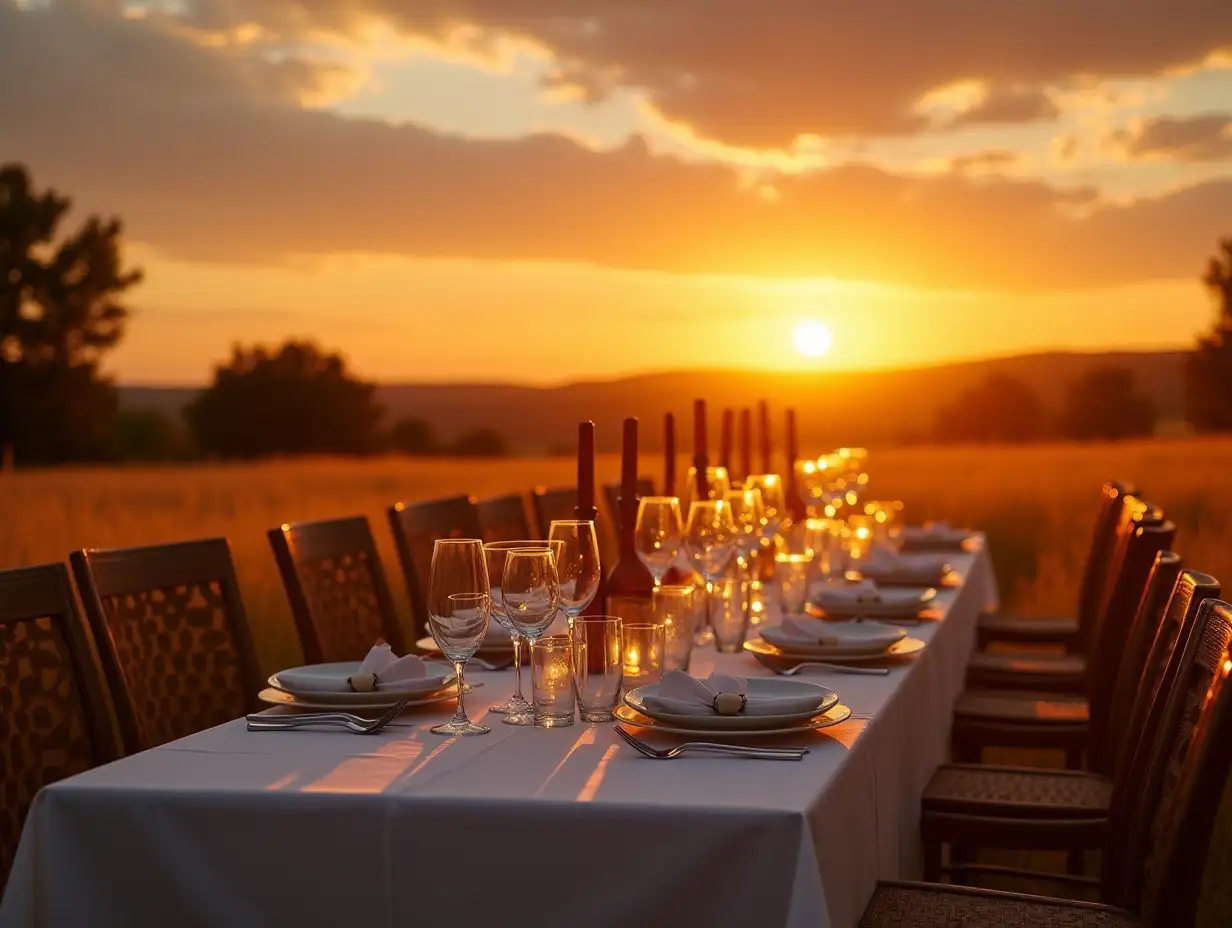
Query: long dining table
x=524 y=826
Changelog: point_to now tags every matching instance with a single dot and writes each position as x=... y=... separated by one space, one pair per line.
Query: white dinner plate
x=758 y=686
x=894 y=603
x=773 y=656
x=293 y=681
x=866 y=637
x=835 y=716
x=280 y=698
x=502 y=650
x=916 y=538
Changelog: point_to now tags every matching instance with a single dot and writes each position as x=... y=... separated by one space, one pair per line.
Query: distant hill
x=853 y=407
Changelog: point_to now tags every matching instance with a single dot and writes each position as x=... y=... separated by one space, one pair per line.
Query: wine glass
x=530 y=589
x=773 y=501
x=658 y=534
x=715 y=482
x=516 y=709
x=577 y=566
x=709 y=539
x=459 y=606
x=746 y=512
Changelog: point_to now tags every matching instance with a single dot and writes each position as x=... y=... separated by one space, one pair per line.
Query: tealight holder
x=644 y=644
x=861 y=534
x=551 y=674
x=792 y=572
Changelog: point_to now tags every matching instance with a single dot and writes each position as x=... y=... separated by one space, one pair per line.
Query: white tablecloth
x=524 y=826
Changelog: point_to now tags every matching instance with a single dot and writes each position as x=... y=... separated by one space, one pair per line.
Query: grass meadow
x=1036 y=504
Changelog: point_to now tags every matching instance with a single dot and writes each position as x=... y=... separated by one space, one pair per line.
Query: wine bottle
x=585 y=510
x=630 y=577
x=725 y=440
x=763 y=411
x=746 y=443
x=669 y=455
x=701 y=459
x=795 y=503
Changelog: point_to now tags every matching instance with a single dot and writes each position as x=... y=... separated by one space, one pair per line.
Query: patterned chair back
x=505 y=518
x=1095 y=571
x=337 y=588
x=172 y=635
x=549 y=505
x=416 y=527
x=54 y=721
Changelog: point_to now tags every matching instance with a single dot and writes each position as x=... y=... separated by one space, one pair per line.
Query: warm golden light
x=812 y=338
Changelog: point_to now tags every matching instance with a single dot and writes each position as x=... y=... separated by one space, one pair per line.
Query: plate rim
x=917 y=645
x=854 y=649
x=274 y=682
x=283 y=696
x=844 y=713
x=428 y=644
x=828 y=702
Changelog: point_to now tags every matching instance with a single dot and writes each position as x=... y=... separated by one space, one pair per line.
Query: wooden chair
x=550 y=505
x=337 y=588
x=172 y=635
x=993 y=718
x=504 y=518
x=54 y=721
x=416 y=526
x=1033 y=808
x=1069 y=633
x=1158 y=882
x=645 y=487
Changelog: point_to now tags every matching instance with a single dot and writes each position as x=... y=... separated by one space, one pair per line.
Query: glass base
x=519 y=718
x=703 y=638
x=553 y=721
x=726 y=647
x=596 y=715
x=514 y=705
x=460 y=727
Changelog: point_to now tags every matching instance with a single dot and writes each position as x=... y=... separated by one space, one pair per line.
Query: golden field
x=1036 y=504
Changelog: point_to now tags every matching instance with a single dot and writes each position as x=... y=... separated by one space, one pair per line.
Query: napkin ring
x=729 y=703
x=362 y=682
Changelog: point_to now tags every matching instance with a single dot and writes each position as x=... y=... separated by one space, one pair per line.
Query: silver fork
x=709 y=747
x=836 y=668
x=491 y=665
x=351 y=722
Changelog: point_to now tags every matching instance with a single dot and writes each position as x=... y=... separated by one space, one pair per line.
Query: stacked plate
x=860 y=641
x=323 y=686
x=497 y=645
x=936 y=536
x=841 y=600
x=890 y=568
x=807 y=707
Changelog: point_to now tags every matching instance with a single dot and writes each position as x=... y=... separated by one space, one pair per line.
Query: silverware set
x=354 y=723
x=833 y=668
x=708 y=747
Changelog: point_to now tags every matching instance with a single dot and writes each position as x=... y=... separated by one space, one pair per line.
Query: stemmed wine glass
x=531 y=593
x=459 y=606
x=715 y=482
x=516 y=709
x=659 y=534
x=709 y=538
x=746 y=514
x=577 y=566
x=773 y=501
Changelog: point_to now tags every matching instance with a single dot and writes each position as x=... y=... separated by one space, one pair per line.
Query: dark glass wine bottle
x=630 y=577
x=674 y=574
x=767 y=457
x=746 y=443
x=795 y=503
x=725 y=440
x=584 y=510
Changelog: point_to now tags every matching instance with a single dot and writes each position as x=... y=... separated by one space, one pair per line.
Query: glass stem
x=460 y=714
x=517 y=667
x=711 y=589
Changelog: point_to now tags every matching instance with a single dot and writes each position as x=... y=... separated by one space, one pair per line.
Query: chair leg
x=960 y=854
x=1073 y=759
x=932 y=861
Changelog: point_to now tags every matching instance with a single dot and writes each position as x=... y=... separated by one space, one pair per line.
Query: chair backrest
x=53 y=718
x=416 y=527
x=1124 y=839
x=1117 y=735
x=172 y=635
x=1194 y=761
x=1135 y=512
x=1095 y=571
x=645 y=487
x=337 y=588
x=1105 y=661
x=504 y=518
x=550 y=505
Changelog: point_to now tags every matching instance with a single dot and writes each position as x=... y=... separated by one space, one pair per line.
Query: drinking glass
x=643 y=657
x=888 y=514
x=715 y=482
x=773 y=502
x=598 y=665
x=531 y=594
x=747 y=514
x=516 y=708
x=578 y=565
x=861 y=531
x=792 y=572
x=659 y=533
x=855 y=465
x=730 y=618
x=674 y=609
x=823 y=540
x=459 y=606
x=709 y=540
x=551 y=679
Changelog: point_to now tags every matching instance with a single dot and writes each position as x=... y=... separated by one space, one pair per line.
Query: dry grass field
x=1035 y=503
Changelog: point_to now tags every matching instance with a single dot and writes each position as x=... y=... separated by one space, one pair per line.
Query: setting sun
x=812 y=339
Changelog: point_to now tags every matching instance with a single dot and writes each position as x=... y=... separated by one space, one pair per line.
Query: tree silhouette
x=1208 y=369
x=1000 y=409
x=1105 y=404
x=480 y=443
x=297 y=400
x=59 y=314
x=413 y=436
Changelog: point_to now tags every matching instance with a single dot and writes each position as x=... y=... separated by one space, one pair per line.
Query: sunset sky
x=544 y=190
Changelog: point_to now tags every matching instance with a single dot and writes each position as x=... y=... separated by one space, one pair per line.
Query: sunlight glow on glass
x=812 y=338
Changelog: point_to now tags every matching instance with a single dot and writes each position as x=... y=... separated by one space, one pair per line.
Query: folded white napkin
x=497 y=636
x=842 y=593
x=883 y=563
x=832 y=634
x=386 y=669
x=934 y=533
x=681 y=694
